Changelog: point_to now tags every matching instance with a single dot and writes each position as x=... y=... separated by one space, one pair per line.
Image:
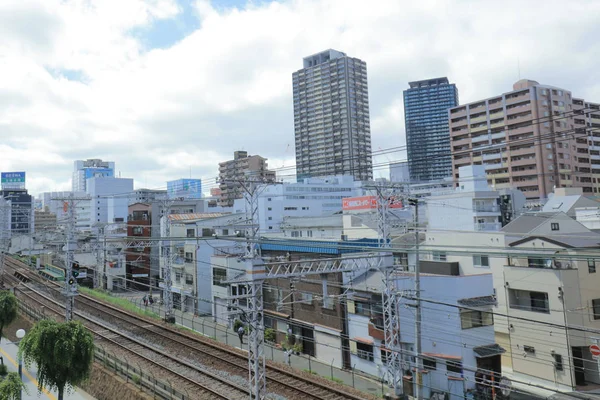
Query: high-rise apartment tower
x=534 y=138
x=331 y=117
x=426 y=105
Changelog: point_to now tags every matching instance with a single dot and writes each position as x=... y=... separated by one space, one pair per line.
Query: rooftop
x=429 y=82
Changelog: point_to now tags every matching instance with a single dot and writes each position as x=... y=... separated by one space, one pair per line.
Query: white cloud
x=227 y=85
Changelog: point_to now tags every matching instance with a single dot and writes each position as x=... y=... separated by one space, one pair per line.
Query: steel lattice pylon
x=391 y=326
x=389 y=294
x=256 y=350
x=167 y=259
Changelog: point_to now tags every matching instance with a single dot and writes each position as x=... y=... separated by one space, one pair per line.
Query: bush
x=3 y=370
x=136 y=379
x=270 y=335
x=236 y=325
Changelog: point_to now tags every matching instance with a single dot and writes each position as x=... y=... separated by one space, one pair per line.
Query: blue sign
x=99 y=173
x=12 y=179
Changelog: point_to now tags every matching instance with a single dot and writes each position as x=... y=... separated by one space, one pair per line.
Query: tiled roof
x=187 y=217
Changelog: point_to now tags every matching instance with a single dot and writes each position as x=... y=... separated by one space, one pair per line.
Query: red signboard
x=367 y=203
x=595 y=350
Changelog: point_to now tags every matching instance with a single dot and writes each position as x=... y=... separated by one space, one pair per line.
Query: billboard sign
x=12 y=180
x=99 y=173
x=367 y=203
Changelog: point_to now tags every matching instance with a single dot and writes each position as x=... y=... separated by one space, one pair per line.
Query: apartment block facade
x=232 y=172
x=331 y=117
x=426 y=105
x=534 y=138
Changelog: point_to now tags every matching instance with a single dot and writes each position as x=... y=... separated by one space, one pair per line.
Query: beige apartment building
x=233 y=172
x=534 y=138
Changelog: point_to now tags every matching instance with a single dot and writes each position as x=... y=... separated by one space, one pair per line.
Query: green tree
x=8 y=309
x=62 y=351
x=11 y=387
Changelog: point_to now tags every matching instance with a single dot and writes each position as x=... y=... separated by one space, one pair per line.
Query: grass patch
x=336 y=380
x=118 y=301
x=309 y=371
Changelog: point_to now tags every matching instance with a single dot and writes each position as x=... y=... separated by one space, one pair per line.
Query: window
x=190 y=233
x=529 y=301
x=362 y=308
x=429 y=363
x=438 y=256
x=474 y=319
x=558 y=363
x=189 y=279
x=177 y=277
x=529 y=350
x=539 y=301
x=225 y=232
x=554 y=226
x=364 y=351
x=138 y=230
x=309 y=233
x=481 y=261
x=591 y=266
x=219 y=275
x=454 y=366
x=189 y=257
x=596 y=308
x=270 y=218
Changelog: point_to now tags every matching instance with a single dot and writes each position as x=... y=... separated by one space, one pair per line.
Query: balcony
x=478 y=139
x=375 y=331
x=492 y=166
x=487 y=226
x=491 y=156
x=483 y=118
x=479 y=129
x=487 y=208
x=499 y=135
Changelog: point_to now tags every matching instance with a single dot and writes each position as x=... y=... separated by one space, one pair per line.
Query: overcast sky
x=165 y=87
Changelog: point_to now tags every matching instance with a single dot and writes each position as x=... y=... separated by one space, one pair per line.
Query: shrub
x=270 y=335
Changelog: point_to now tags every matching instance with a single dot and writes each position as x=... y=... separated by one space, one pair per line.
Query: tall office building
x=331 y=117
x=91 y=168
x=426 y=105
x=534 y=138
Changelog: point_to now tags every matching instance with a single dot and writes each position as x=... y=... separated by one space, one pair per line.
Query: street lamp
x=20 y=335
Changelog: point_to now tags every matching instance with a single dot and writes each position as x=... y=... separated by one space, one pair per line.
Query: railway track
x=194 y=349
x=198 y=383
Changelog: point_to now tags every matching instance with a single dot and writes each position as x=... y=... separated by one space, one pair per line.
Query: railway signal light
x=73 y=277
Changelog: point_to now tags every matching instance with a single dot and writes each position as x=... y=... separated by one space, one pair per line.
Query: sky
x=170 y=88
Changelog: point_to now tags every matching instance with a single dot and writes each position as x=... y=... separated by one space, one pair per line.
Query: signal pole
x=418 y=359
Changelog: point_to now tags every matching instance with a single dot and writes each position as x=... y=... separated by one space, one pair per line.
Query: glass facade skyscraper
x=331 y=117
x=426 y=105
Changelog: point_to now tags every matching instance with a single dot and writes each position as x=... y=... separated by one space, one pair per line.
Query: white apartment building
x=313 y=197
x=473 y=205
x=193 y=285
x=547 y=291
x=110 y=199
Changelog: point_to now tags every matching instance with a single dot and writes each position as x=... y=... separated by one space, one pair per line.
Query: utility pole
x=418 y=352
x=70 y=283
x=167 y=259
